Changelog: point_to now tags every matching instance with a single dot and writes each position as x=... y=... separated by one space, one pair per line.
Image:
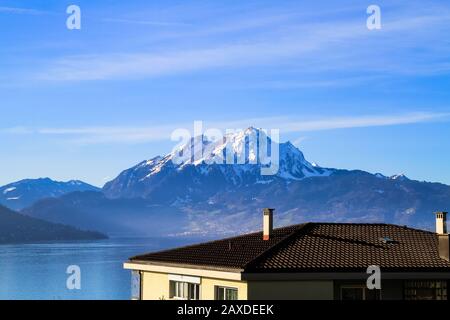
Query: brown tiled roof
x=233 y=253
x=315 y=247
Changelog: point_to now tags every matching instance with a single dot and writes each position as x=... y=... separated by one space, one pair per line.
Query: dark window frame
x=225 y=288
x=366 y=293
x=417 y=289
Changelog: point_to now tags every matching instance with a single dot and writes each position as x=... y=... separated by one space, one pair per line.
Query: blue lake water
x=38 y=271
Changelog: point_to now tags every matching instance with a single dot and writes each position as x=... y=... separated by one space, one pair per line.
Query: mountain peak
x=240 y=147
x=252 y=129
x=289 y=147
x=399 y=177
x=244 y=157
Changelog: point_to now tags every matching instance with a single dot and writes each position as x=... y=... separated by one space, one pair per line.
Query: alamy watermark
x=374 y=20
x=73 y=281
x=374 y=280
x=73 y=22
x=255 y=147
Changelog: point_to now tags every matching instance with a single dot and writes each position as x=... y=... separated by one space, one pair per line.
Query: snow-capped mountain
x=191 y=191
x=20 y=194
x=248 y=151
x=236 y=160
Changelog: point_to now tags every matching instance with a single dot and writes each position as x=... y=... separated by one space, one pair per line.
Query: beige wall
x=290 y=290
x=155 y=286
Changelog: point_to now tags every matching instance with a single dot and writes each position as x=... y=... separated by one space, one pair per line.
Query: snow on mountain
x=245 y=152
x=400 y=177
x=9 y=190
x=237 y=158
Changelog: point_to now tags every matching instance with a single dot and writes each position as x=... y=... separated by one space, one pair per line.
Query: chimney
x=267 y=223
x=441 y=230
x=441 y=222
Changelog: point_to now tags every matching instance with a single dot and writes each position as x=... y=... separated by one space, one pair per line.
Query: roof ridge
x=356 y=223
x=374 y=224
x=302 y=227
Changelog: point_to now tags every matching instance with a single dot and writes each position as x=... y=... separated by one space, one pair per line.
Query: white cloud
x=154 y=23
x=362 y=121
x=17 y=130
x=105 y=134
x=14 y=10
x=144 y=134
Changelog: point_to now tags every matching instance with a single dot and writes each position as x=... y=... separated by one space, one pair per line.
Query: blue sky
x=89 y=103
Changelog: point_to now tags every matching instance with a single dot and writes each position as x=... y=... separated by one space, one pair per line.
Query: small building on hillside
x=312 y=261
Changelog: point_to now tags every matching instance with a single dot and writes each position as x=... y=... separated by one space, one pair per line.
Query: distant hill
x=160 y=196
x=93 y=210
x=21 y=194
x=17 y=228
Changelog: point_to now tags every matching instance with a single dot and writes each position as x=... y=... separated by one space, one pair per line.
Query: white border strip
x=225 y=275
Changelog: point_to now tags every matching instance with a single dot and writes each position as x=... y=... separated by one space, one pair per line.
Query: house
x=320 y=261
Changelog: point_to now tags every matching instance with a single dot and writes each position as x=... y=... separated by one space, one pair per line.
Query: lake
x=38 y=271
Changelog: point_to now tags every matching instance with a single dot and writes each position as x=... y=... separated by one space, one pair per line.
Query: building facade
x=312 y=261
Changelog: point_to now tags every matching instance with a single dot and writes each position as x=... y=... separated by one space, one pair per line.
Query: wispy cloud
x=17 y=130
x=362 y=121
x=145 y=134
x=236 y=54
x=307 y=47
x=14 y=10
x=318 y=83
x=108 y=134
x=147 y=22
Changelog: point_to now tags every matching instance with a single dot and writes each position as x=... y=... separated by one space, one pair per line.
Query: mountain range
x=199 y=194
x=21 y=194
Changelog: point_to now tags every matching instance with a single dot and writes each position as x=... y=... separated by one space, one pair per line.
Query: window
x=184 y=290
x=358 y=292
x=136 y=285
x=224 y=293
x=425 y=290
